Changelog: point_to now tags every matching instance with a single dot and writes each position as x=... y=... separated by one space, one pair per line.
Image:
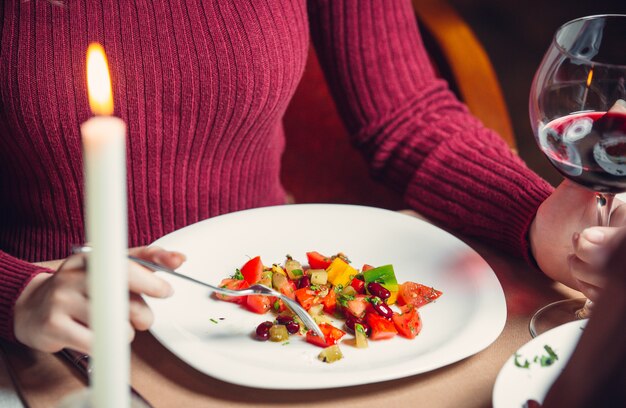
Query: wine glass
x=578 y=114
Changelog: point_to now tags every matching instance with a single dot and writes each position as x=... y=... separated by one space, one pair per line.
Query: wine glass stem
x=604 y=205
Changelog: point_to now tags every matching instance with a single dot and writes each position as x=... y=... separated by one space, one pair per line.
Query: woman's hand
x=53 y=310
x=564 y=242
x=592 y=248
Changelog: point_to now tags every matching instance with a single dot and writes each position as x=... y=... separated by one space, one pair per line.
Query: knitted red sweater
x=203 y=86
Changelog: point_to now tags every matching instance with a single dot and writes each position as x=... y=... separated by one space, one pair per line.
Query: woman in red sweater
x=203 y=87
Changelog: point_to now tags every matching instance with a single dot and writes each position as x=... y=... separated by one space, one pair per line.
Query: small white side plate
x=515 y=385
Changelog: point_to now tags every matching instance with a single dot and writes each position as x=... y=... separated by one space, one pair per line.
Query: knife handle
x=80 y=361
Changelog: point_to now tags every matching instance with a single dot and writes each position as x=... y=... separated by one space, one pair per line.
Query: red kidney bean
x=304 y=282
x=293 y=327
x=378 y=290
x=382 y=309
x=351 y=321
x=284 y=319
x=263 y=331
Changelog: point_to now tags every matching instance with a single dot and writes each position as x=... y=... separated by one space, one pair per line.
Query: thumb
x=594 y=244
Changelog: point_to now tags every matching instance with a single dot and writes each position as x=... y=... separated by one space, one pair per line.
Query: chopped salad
x=370 y=301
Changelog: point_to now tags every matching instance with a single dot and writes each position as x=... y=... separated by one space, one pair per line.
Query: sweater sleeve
x=415 y=135
x=14 y=276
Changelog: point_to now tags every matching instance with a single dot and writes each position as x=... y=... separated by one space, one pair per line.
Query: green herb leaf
x=344 y=299
x=542 y=360
x=374 y=300
x=551 y=352
x=213 y=320
x=548 y=360
x=526 y=364
x=238 y=275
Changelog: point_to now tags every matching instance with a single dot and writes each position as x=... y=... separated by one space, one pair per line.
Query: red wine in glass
x=589 y=148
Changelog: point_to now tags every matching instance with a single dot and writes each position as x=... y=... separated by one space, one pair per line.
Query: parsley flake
x=238 y=275
x=526 y=364
x=344 y=299
x=548 y=360
x=543 y=360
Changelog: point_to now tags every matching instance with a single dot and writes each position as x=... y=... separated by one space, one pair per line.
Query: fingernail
x=182 y=256
x=170 y=291
x=594 y=236
x=167 y=257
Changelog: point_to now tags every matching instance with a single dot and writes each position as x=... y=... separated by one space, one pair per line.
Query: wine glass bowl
x=577 y=109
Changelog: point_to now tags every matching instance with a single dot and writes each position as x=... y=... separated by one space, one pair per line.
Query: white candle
x=104 y=145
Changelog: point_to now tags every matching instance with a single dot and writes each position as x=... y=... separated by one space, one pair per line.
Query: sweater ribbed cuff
x=479 y=188
x=14 y=276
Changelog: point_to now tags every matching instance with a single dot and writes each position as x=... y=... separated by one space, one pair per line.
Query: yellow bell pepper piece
x=278 y=269
x=340 y=273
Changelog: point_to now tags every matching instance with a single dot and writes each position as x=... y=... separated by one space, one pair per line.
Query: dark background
x=515 y=35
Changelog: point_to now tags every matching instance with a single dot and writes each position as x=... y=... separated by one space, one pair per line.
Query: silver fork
x=252 y=290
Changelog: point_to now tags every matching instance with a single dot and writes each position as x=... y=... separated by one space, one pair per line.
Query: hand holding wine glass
x=578 y=114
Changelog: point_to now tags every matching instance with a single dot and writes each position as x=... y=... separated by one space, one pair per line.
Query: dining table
x=36 y=379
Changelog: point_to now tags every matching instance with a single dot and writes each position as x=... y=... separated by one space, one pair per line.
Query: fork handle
x=157 y=267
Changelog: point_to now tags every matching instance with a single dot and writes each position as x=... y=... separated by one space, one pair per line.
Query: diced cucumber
x=278 y=332
x=317 y=312
x=266 y=278
x=349 y=291
x=278 y=280
x=360 y=336
x=319 y=277
x=293 y=268
x=330 y=354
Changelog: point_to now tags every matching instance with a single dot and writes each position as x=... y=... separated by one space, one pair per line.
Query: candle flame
x=589 y=77
x=99 y=81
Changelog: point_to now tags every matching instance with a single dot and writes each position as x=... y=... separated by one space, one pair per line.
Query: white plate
x=467 y=318
x=514 y=385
